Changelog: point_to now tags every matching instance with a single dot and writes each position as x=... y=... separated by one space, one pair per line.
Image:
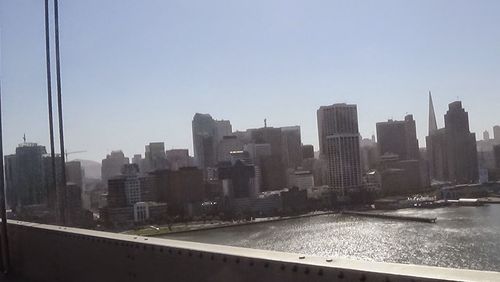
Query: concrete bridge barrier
x=52 y=253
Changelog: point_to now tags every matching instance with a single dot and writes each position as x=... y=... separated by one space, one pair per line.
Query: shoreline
x=226 y=225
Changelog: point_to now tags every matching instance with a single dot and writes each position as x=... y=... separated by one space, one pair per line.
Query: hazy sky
x=137 y=71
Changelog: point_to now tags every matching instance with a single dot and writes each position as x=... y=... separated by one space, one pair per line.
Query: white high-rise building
x=339 y=145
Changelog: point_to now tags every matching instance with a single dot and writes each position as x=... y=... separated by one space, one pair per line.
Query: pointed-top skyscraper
x=432 y=116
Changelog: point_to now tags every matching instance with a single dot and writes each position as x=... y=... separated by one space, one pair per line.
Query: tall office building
x=292 y=146
x=496 y=133
x=462 y=150
x=112 y=165
x=452 y=150
x=155 y=156
x=207 y=133
x=307 y=152
x=398 y=138
x=486 y=135
x=268 y=135
x=222 y=128
x=25 y=176
x=339 y=145
x=496 y=154
x=75 y=173
x=272 y=167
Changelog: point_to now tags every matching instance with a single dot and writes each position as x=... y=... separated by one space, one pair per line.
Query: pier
x=392 y=216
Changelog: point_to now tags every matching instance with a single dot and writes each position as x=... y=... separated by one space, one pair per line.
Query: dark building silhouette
x=181 y=189
x=273 y=173
x=269 y=135
x=272 y=166
x=496 y=153
x=292 y=146
x=462 y=150
x=399 y=138
x=25 y=176
x=238 y=179
x=452 y=151
x=496 y=133
x=307 y=152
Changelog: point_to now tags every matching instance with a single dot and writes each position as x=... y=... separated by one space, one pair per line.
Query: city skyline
x=275 y=62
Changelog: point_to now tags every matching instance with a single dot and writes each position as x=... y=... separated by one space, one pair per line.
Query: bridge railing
x=52 y=253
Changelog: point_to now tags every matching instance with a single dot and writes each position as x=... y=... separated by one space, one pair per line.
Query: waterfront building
x=302 y=179
x=273 y=173
x=183 y=190
x=238 y=179
x=339 y=145
x=124 y=191
x=294 y=200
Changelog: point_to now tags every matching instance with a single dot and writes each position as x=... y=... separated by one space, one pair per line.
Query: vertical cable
x=62 y=190
x=51 y=189
x=4 y=239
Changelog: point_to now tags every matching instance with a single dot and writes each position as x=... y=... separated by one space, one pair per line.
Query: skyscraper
x=496 y=133
x=339 y=145
x=452 y=150
x=398 y=138
x=432 y=116
x=292 y=146
x=462 y=150
x=207 y=133
x=486 y=135
x=25 y=176
x=155 y=156
x=496 y=154
x=307 y=152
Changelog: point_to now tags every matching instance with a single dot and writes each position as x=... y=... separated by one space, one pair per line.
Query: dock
x=392 y=216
